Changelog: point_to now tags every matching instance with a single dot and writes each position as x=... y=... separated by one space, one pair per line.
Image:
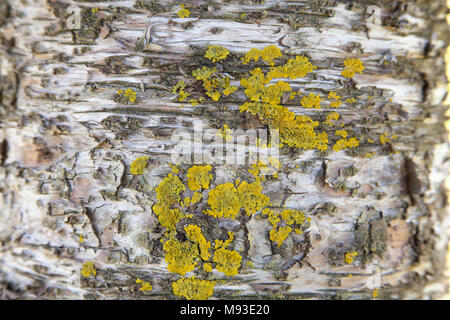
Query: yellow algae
x=351 y=67
x=224 y=201
x=199 y=177
x=193 y=289
x=138 y=165
x=349 y=256
x=145 y=286
x=311 y=101
x=183 y=12
x=279 y=234
x=88 y=269
x=194 y=233
x=251 y=197
x=216 y=53
x=180 y=256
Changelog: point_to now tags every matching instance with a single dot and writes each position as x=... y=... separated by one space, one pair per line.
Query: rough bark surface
x=67 y=141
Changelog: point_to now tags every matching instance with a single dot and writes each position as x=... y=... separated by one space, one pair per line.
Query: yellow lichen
x=375 y=293
x=216 y=53
x=294 y=68
x=384 y=138
x=293 y=216
x=180 y=256
x=228 y=261
x=213 y=82
x=351 y=67
x=225 y=133
x=224 y=201
x=295 y=131
x=183 y=12
x=268 y=54
x=138 y=165
x=198 y=177
x=179 y=89
x=345 y=143
x=207 y=267
x=168 y=191
x=88 y=269
x=251 y=197
x=332 y=116
x=254 y=54
x=194 y=233
x=145 y=286
x=311 y=101
x=337 y=99
x=129 y=93
x=279 y=234
x=193 y=289
x=168 y=218
x=349 y=256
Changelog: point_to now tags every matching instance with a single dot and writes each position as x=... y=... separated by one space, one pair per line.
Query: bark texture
x=67 y=140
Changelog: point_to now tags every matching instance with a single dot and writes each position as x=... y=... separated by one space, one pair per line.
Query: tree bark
x=68 y=139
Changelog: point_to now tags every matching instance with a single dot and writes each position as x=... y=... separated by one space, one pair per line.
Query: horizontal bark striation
x=67 y=141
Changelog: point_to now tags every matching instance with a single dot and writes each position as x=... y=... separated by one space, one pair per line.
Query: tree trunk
x=377 y=213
